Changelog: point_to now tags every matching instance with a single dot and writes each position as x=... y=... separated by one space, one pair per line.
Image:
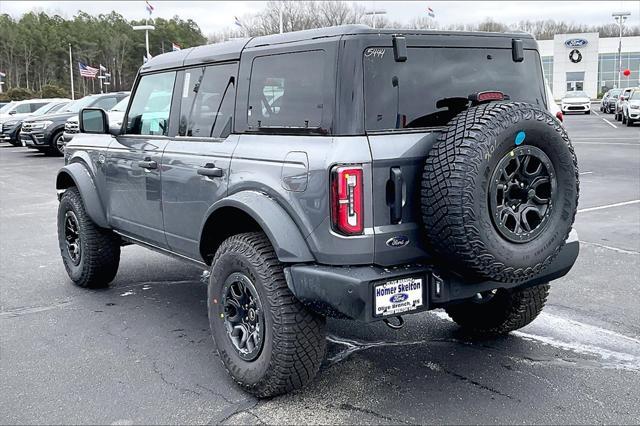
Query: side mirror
x=93 y=120
x=13 y=112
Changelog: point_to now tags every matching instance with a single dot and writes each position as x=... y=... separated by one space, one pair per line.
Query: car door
x=195 y=163
x=134 y=202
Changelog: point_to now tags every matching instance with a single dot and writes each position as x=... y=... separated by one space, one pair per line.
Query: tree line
x=34 y=48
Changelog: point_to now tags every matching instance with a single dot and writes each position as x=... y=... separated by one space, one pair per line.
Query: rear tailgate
x=406 y=103
x=398 y=160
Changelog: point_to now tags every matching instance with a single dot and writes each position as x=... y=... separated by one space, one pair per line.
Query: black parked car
x=10 y=129
x=44 y=133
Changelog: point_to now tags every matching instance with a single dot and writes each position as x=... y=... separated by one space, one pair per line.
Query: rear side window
x=432 y=86
x=149 y=111
x=106 y=103
x=35 y=106
x=208 y=95
x=287 y=90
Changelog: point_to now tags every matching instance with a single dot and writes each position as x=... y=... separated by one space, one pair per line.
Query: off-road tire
x=294 y=341
x=457 y=176
x=506 y=311
x=100 y=248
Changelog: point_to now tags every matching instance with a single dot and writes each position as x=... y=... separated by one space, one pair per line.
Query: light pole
x=373 y=14
x=146 y=29
x=620 y=17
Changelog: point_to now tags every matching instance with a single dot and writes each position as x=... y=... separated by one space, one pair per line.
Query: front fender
x=77 y=174
x=284 y=234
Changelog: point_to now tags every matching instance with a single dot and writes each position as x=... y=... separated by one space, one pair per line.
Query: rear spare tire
x=500 y=191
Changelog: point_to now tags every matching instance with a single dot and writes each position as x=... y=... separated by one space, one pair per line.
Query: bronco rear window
x=430 y=87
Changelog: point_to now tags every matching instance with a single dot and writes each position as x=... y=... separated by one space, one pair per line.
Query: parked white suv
x=631 y=108
x=576 y=101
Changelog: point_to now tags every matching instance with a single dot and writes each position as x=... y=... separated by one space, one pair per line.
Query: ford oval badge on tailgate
x=398 y=241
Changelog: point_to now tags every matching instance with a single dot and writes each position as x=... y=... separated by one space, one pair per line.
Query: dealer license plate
x=398 y=296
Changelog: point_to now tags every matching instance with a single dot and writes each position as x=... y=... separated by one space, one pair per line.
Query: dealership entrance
x=575 y=81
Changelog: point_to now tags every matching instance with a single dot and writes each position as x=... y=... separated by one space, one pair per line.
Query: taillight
x=347 y=213
x=559 y=116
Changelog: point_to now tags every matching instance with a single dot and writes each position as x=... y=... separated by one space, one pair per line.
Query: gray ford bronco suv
x=344 y=172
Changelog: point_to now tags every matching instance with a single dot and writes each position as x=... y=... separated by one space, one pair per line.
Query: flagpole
x=71 y=73
x=100 y=76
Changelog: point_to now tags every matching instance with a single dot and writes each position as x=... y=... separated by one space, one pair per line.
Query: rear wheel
x=500 y=311
x=90 y=254
x=267 y=340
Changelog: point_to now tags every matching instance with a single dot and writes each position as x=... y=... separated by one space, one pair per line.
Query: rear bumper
x=347 y=292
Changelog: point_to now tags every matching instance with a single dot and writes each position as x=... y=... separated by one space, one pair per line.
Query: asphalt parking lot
x=140 y=351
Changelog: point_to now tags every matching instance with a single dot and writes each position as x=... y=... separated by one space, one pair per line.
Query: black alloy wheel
x=72 y=237
x=521 y=193
x=243 y=316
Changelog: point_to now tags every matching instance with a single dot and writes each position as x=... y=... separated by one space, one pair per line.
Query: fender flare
x=283 y=233
x=83 y=180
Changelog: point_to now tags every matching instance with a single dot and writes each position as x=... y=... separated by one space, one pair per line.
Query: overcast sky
x=212 y=16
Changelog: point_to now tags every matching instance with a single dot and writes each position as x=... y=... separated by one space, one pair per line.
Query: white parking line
x=609 y=123
x=616 y=249
x=608 y=206
x=615 y=350
x=605 y=143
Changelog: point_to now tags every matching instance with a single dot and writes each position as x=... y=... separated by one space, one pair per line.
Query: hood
x=634 y=102
x=56 y=117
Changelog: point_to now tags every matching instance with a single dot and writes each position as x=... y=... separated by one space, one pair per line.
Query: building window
x=547 y=68
x=608 y=70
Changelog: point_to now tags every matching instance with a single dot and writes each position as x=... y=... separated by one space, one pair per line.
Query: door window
x=149 y=111
x=208 y=95
x=287 y=90
x=23 y=109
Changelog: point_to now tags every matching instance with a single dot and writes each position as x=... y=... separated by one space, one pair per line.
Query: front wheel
x=58 y=144
x=90 y=254
x=267 y=340
x=629 y=122
x=500 y=311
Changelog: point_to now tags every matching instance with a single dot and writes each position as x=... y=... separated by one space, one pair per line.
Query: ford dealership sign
x=576 y=42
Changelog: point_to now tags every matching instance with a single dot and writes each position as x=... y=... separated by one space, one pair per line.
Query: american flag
x=87 y=71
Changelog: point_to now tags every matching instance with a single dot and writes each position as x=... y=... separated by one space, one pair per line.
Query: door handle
x=396 y=206
x=148 y=164
x=210 y=170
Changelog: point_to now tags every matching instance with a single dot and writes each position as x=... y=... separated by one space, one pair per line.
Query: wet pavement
x=140 y=351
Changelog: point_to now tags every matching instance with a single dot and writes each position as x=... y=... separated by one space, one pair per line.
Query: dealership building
x=590 y=63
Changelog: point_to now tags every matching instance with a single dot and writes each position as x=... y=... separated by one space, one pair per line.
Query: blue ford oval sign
x=576 y=42
x=398 y=241
x=400 y=297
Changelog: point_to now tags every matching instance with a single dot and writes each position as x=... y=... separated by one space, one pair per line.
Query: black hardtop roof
x=231 y=50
